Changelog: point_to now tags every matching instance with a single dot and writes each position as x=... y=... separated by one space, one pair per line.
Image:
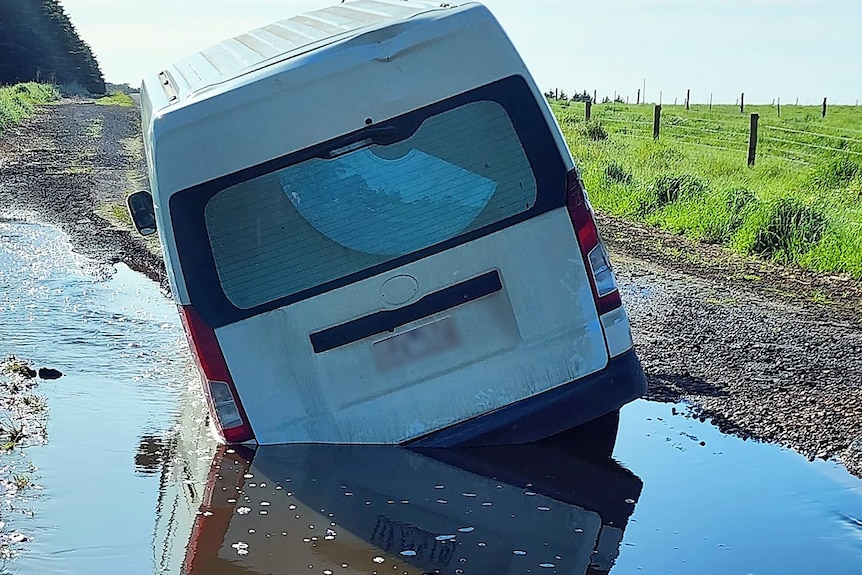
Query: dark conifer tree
x=39 y=42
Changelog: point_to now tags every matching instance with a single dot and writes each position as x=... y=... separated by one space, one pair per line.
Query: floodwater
x=117 y=340
x=129 y=480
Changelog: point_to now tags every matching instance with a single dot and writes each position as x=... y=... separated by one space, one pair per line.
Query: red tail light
x=602 y=280
x=219 y=388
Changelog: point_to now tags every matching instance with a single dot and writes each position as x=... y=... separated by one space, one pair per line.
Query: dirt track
x=742 y=341
x=69 y=164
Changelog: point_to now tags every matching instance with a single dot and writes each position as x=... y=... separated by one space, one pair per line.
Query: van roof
x=282 y=40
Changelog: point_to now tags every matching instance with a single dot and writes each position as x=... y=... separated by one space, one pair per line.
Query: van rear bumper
x=548 y=413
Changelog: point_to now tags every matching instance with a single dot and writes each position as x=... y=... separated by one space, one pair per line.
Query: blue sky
x=806 y=49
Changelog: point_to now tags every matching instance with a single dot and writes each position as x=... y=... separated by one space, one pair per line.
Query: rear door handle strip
x=382 y=321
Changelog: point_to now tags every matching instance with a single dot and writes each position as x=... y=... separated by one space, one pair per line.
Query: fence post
x=710 y=101
x=589 y=110
x=824 y=107
x=742 y=103
x=656 y=122
x=639 y=96
x=594 y=95
x=752 y=140
x=779 y=107
x=687 y=99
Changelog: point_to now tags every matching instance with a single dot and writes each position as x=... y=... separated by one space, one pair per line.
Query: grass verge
x=19 y=101
x=116 y=99
x=801 y=203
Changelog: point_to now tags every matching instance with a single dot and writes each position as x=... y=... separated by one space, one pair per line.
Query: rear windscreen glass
x=367 y=203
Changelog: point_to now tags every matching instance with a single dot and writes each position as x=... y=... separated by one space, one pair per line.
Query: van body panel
x=618 y=331
x=238 y=232
x=257 y=48
x=541 y=330
x=371 y=344
x=266 y=109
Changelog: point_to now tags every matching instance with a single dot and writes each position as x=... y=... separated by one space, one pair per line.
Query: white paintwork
x=618 y=332
x=540 y=331
x=399 y=290
x=229 y=116
x=256 y=98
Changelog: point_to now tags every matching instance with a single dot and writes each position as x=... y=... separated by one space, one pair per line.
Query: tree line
x=38 y=42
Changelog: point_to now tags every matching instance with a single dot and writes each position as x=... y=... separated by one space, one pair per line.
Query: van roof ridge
x=276 y=42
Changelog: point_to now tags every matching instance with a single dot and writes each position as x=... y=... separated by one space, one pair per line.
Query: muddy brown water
x=127 y=478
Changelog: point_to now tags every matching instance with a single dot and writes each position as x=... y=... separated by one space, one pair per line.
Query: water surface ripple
x=132 y=482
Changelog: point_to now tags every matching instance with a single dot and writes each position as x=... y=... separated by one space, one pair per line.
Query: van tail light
x=595 y=254
x=225 y=407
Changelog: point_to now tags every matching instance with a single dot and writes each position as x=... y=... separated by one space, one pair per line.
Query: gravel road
x=765 y=352
x=71 y=165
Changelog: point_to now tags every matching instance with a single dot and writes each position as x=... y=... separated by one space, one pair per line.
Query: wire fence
x=800 y=135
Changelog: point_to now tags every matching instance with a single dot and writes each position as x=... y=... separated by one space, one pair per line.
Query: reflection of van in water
x=376 y=234
x=379 y=509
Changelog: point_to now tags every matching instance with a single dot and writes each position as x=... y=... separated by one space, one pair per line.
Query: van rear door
x=418 y=272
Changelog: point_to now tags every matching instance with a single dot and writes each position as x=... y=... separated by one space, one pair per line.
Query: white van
x=375 y=233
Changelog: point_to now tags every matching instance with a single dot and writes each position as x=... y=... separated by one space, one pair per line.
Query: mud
x=764 y=351
x=72 y=165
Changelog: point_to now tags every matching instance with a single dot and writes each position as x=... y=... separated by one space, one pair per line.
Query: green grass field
x=116 y=99
x=800 y=203
x=18 y=102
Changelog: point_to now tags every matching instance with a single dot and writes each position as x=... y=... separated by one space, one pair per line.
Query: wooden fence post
x=656 y=122
x=639 y=96
x=824 y=107
x=594 y=95
x=752 y=140
x=742 y=103
x=779 y=107
x=589 y=110
x=687 y=99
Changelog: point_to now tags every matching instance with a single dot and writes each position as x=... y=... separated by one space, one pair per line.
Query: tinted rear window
x=322 y=219
x=386 y=195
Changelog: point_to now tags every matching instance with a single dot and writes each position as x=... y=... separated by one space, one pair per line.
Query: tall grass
x=800 y=203
x=18 y=102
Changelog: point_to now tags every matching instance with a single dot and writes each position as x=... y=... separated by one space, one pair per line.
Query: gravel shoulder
x=765 y=352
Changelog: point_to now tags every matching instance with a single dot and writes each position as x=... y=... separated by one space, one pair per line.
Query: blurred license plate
x=416 y=344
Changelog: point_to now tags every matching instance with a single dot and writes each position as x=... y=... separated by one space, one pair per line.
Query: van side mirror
x=143 y=214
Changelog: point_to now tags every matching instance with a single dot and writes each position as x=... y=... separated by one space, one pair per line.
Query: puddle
x=732 y=506
x=129 y=479
x=286 y=509
x=687 y=499
x=118 y=342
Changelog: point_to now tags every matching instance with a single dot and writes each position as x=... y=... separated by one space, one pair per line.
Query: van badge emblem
x=399 y=290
